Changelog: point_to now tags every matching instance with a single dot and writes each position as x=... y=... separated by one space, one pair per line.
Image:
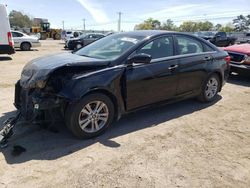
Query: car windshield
x=110 y=47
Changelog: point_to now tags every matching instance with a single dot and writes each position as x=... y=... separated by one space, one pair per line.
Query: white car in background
x=67 y=35
x=24 y=42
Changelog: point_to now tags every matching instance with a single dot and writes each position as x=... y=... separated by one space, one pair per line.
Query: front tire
x=91 y=116
x=210 y=89
x=78 y=46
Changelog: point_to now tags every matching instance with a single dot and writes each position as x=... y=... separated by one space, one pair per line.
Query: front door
x=156 y=81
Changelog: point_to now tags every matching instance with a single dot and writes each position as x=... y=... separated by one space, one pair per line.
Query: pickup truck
x=221 y=39
x=240 y=58
x=244 y=38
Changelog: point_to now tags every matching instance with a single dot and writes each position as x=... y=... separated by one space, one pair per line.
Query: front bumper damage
x=33 y=107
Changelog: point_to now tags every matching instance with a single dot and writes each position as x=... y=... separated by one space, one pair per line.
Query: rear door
x=6 y=42
x=17 y=37
x=4 y=27
x=193 y=59
x=156 y=81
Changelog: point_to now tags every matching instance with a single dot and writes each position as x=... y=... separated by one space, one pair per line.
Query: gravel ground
x=187 y=144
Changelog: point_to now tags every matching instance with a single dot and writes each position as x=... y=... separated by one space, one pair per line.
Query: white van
x=6 y=41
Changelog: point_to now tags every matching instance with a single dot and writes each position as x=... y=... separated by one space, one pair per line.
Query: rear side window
x=99 y=36
x=159 y=48
x=15 y=34
x=94 y=36
x=188 y=45
x=208 y=48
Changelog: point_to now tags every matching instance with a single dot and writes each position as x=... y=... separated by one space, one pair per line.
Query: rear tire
x=91 y=116
x=25 y=46
x=210 y=89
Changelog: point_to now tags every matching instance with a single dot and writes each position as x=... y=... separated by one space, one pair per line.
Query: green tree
x=204 y=26
x=149 y=24
x=188 y=26
x=227 y=28
x=242 y=23
x=18 y=19
x=217 y=27
x=169 y=25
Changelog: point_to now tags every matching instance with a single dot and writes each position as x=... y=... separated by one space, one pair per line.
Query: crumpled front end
x=34 y=103
x=42 y=79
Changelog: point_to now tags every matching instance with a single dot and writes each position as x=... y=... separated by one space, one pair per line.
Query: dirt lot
x=187 y=144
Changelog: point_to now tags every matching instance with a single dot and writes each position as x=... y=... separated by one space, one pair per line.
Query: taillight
x=10 y=39
x=228 y=59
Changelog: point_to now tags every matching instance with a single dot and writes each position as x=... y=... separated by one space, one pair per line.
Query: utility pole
x=84 y=20
x=119 y=21
x=63 y=24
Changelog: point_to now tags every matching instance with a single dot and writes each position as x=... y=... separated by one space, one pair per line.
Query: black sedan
x=83 y=40
x=94 y=86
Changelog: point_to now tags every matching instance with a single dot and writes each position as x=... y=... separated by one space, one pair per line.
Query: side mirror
x=140 y=58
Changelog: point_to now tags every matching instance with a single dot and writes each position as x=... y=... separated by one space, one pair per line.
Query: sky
x=103 y=14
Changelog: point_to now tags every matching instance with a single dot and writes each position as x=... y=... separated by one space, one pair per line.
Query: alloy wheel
x=93 y=116
x=211 y=88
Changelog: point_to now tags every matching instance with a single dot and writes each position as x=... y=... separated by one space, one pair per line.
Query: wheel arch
x=109 y=94
x=23 y=42
x=219 y=74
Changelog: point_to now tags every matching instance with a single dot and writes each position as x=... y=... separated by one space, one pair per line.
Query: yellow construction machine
x=46 y=32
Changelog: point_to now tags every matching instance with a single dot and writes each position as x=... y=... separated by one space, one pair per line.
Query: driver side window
x=159 y=48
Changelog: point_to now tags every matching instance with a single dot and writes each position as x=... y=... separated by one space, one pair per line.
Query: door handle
x=172 y=67
x=208 y=58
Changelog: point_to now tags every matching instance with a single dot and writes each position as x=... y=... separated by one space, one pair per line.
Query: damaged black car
x=94 y=86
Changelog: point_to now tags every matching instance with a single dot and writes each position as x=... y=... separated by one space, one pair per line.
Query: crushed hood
x=39 y=69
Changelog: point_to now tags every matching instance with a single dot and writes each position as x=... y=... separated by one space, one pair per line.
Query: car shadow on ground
x=31 y=50
x=42 y=144
x=5 y=58
x=239 y=80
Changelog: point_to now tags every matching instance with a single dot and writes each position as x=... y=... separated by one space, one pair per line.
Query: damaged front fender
x=109 y=79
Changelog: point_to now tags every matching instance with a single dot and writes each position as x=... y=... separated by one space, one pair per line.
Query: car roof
x=94 y=34
x=147 y=33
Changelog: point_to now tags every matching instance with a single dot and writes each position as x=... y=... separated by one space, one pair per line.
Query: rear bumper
x=240 y=68
x=6 y=49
